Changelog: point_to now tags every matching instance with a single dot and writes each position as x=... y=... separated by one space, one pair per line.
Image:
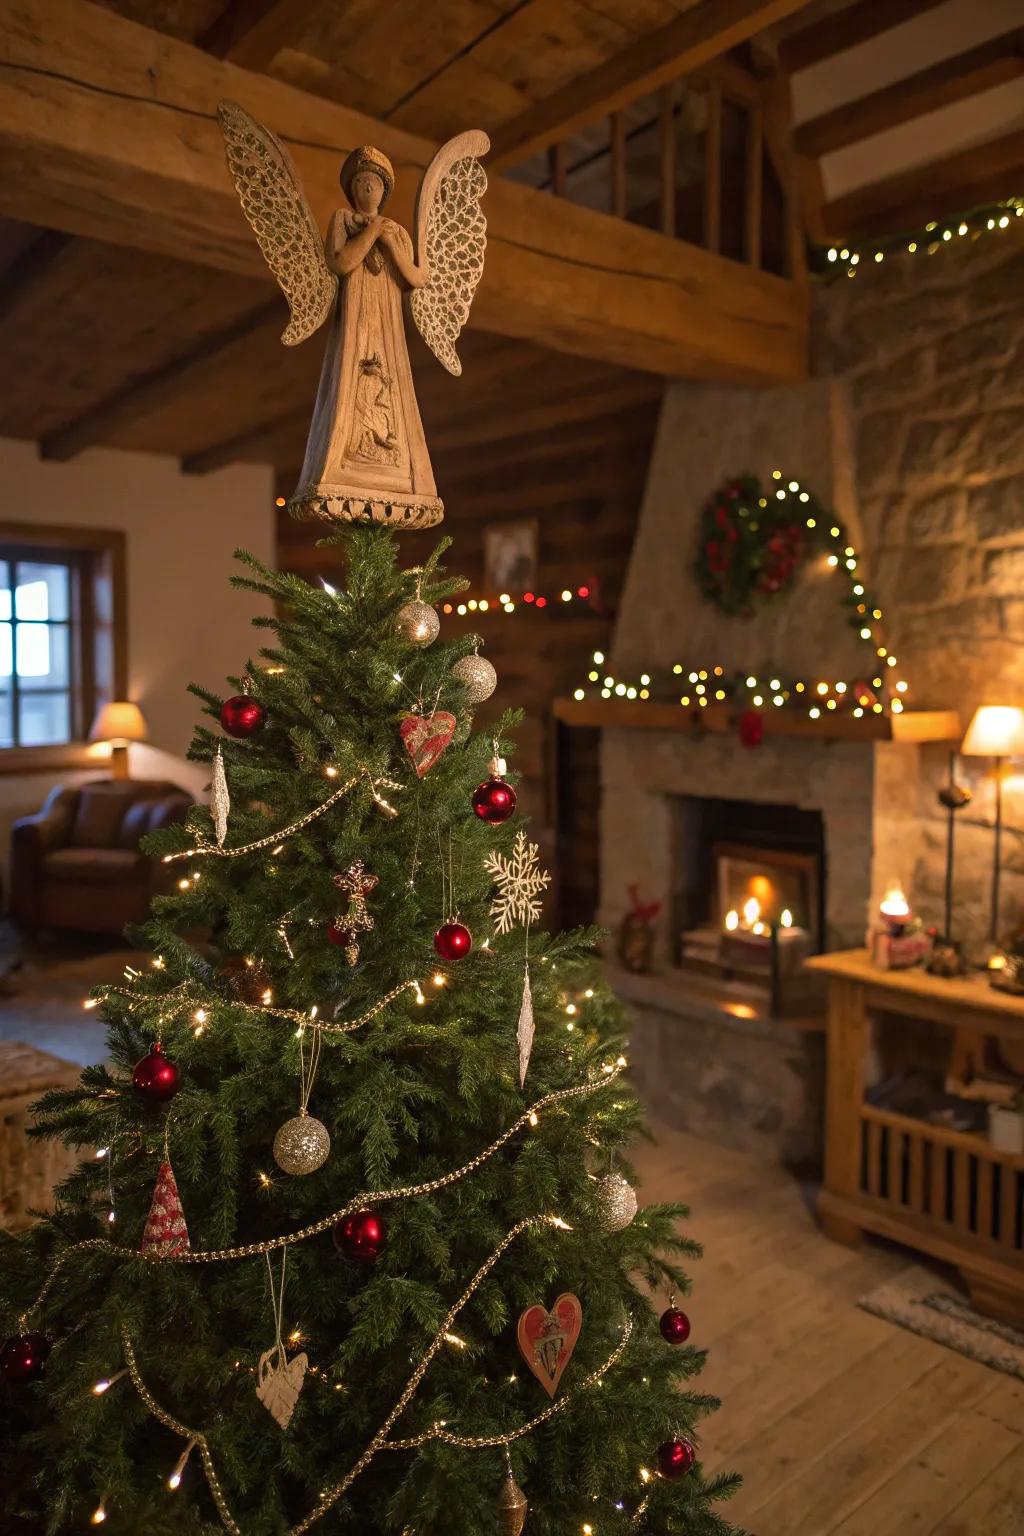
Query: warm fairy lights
x=506 y=603
x=697 y=688
x=992 y=219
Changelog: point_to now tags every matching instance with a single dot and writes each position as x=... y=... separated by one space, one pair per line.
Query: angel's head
x=368 y=179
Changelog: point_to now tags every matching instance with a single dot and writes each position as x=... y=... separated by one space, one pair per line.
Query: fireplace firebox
x=749 y=891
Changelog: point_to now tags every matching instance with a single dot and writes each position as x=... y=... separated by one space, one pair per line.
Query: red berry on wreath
x=242 y=716
x=676 y=1457
x=156 y=1077
x=23 y=1357
x=494 y=801
x=453 y=941
x=361 y=1237
x=750 y=728
x=674 y=1326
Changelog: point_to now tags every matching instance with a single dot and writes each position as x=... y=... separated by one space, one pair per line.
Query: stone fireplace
x=828 y=823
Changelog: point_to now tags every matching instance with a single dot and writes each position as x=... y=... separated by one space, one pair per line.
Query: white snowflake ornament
x=520 y=881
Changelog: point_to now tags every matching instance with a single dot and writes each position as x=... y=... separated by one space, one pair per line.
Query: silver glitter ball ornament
x=477 y=676
x=616 y=1202
x=301 y=1145
x=417 y=622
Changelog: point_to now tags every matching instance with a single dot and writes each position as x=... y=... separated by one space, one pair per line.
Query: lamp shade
x=118 y=722
x=996 y=730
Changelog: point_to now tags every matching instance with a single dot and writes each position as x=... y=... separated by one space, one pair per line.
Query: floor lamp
x=996 y=731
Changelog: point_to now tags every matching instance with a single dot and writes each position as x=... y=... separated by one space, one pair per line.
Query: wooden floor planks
x=841 y=1424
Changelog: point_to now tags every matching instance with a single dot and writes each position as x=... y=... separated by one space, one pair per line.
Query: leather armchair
x=76 y=863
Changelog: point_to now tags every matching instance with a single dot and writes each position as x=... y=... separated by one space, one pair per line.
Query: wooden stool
x=29 y=1169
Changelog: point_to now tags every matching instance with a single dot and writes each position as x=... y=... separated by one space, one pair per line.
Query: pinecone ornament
x=165 y=1232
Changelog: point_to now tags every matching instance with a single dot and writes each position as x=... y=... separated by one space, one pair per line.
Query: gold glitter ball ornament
x=616 y=1202
x=512 y=1506
x=301 y=1145
x=418 y=623
x=477 y=677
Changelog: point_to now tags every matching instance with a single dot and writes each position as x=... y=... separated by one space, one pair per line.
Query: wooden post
x=667 y=156
x=617 y=142
x=847 y=1035
x=557 y=168
x=755 y=187
x=713 y=167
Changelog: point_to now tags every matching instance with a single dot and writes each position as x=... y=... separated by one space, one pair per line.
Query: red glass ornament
x=453 y=941
x=751 y=728
x=494 y=801
x=23 y=1357
x=361 y=1237
x=337 y=934
x=676 y=1457
x=674 y=1325
x=242 y=716
x=156 y=1077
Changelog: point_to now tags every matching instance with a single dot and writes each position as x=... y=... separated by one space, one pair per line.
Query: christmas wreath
x=751 y=547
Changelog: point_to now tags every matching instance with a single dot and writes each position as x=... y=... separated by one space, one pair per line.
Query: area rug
x=919 y=1300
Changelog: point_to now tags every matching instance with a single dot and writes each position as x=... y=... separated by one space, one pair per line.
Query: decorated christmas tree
x=354 y=1245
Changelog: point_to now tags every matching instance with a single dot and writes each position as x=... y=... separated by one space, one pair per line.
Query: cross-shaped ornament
x=357 y=885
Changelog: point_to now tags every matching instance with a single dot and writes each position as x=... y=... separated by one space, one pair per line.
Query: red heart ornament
x=547 y=1339
x=425 y=737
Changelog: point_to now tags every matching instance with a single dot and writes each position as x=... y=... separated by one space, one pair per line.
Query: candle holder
x=897 y=939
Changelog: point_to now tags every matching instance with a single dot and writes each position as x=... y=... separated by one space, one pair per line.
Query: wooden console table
x=944 y=1192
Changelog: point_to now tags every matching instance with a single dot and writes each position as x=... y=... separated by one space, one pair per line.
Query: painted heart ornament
x=425 y=737
x=548 y=1338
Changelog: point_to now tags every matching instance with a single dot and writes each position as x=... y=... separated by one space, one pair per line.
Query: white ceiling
x=935 y=35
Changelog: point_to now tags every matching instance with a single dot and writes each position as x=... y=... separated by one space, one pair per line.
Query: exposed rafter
x=694 y=38
x=252 y=32
x=139 y=396
x=30 y=267
x=983 y=174
x=844 y=29
x=952 y=80
x=107 y=129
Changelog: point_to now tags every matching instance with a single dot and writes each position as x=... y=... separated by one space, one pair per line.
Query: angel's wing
x=273 y=201
x=451 y=233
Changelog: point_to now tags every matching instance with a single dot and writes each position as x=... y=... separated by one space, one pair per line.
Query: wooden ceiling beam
x=845 y=29
x=30 y=267
x=693 y=39
x=252 y=33
x=985 y=173
x=108 y=129
x=139 y=396
x=966 y=74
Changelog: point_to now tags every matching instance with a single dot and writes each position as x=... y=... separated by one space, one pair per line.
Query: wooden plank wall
x=579 y=470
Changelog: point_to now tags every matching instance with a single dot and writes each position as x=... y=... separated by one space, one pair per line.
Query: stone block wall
x=930 y=353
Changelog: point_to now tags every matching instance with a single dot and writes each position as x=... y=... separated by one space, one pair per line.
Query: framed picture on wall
x=510 y=557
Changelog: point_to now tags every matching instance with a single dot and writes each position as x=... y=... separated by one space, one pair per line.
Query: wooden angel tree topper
x=366 y=455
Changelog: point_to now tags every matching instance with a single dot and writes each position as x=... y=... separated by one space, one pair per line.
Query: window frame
x=97 y=558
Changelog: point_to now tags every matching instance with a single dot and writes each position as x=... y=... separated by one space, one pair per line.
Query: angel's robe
x=366 y=444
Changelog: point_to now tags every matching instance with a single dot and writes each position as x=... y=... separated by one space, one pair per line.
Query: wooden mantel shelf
x=720 y=719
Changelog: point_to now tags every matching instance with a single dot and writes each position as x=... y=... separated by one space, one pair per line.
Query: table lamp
x=119 y=723
x=996 y=731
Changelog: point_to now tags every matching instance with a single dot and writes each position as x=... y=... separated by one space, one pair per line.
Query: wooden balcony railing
x=707 y=159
